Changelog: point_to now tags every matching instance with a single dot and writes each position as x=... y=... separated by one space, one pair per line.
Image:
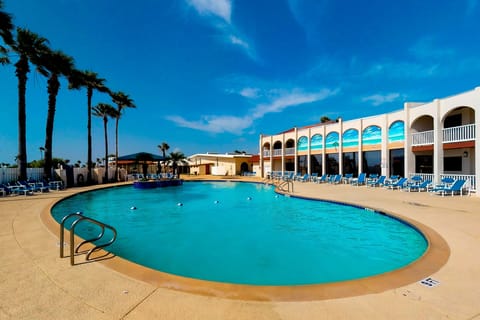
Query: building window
x=452 y=164
x=424 y=164
x=350 y=163
x=302 y=164
x=316 y=163
x=372 y=162
x=332 y=163
x=397 y=162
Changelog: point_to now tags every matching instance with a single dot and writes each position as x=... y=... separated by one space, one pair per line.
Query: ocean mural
x=372 y=135
x=316 y=142
x=302 y=144
x=350 y=138
x=396 y=132
x=332 y=140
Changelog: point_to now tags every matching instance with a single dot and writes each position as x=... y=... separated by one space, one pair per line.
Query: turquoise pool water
x=245 y=233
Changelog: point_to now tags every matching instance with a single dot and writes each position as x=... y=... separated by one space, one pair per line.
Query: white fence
x=79 y=175
x=458 y=134
x=422 y=138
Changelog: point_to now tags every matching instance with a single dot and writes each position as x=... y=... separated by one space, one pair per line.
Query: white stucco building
x=434 y=140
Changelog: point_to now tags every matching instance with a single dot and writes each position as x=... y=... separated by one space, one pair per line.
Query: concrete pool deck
x=36 y=284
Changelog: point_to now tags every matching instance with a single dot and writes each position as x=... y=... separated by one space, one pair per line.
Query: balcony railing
x=422 y=138
x=454 y=134
x=277 y=152
x=266 y=153
x=289 y=151
x=458 y=134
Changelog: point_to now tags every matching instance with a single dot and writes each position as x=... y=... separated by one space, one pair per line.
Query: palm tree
x=6 y=28
x=175 y=159
x=29 y=46
x=54 y=64
x=122 y=101
x=104 y=111
x=164 y=148
x=91 y=81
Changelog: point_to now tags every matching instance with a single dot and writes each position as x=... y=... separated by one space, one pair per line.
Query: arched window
x=372 y=135
x=350 y=138
x=316 y=142
x=302 y=144
x=396 y=132
x=332 y=140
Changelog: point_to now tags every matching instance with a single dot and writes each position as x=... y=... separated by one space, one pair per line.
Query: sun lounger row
x=29 y=187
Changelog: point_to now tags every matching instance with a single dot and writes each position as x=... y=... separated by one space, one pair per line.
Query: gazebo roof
x=141 y=156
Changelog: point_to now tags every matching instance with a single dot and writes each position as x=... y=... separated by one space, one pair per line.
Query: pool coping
x=436 y=255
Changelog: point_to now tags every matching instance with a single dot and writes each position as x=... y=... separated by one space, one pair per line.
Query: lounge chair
x=397 y=185
x=418 y=187
x=360 y=180
x=338 y=179
x=322 y=179
x=456 y=187
x=348 y=177
x=378 y=182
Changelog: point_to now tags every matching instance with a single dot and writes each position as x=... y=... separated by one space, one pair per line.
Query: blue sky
x=212 y=75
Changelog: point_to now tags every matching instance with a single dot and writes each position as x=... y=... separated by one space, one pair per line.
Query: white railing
x=277 y=152
x=461 y=133
x=289 y=151
x=422 y=138
x=470 y=178
x=266 y=153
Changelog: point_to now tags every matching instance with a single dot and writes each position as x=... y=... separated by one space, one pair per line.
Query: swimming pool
x=246 y=234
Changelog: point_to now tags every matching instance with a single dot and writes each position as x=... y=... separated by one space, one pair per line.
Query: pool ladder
x=77 y=219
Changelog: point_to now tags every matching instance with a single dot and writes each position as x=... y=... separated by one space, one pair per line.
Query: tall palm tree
x=177 y=158
x=6 y=32
x=122 y=101
x=91 y=81
x=164 y=148
x=105 y=111
x=29 y=46
x=54 y=64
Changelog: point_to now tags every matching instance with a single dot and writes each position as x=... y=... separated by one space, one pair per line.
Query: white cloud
x=249 y=92
x=378 y=99
x=289 y=100
x=237 y=125
x=215 y=124
x=219 y=8
x=426 y=48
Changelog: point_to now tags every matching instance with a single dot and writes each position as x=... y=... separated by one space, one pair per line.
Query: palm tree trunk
x=116 y=149
x=89 y=135
x=22 y=70
x=53 y=87
x=105 y=179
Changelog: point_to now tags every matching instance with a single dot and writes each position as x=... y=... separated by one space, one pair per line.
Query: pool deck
x=36 y=284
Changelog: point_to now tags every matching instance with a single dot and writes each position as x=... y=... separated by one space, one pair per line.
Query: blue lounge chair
x=338 y=179
x=456 y=187
x=323 y=178
x=360 y=180
x=378 y=182
x=348 y=177
x=397 y=185
x=418 y=187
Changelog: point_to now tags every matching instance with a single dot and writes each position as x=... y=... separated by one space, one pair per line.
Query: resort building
x=434 y=140
x=226 y=164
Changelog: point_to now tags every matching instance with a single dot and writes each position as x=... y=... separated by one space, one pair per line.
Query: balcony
x=277 y=152
x=266 y=153
x=449 y=135
x=289 y=151
x=422 y=138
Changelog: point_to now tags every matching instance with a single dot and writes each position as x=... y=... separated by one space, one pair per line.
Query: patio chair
x=360 y=180
x=322 y=179
x=378 y=182
x=418 y=187
x=456 y=187
x=397 y=185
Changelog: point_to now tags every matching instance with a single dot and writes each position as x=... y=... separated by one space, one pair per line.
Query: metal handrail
x=73 y=250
